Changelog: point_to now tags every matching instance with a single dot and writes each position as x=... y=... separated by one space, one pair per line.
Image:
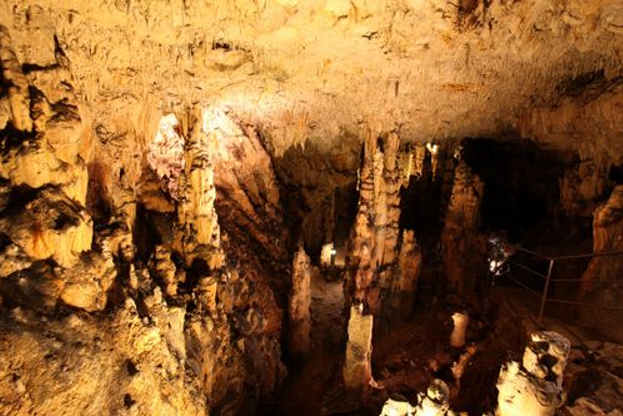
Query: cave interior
x=312 y=207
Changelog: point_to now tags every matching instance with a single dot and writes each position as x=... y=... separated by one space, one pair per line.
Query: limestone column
x=376 y=231
x=459 y=235
x=197 y=215
x=357 y=370
x=300 y=303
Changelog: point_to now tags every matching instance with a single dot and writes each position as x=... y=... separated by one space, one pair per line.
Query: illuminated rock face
x=185 y=335
x=375 y=232
x=357 y=370
x=142 y=239
x=435 y=402
x=534 y=387
x=300 y=303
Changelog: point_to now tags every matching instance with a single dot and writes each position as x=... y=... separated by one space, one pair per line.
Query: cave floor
x=309 y=381
x=559 y=318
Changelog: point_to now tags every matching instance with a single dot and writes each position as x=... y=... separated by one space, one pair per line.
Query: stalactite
x=376 y=231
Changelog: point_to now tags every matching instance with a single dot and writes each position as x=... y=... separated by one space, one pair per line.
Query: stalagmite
x=300 y=303
x=326 y=253
x=460 y=242
x=457 y=337
x=534 y=387
x=376 y=230
x=433 y=149
x=409 y=264
x=197 y=214
x=357 y=370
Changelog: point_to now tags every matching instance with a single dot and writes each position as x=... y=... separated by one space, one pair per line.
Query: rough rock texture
x=300 y=303
x=357 y=369
x=79 y=364
x=593 y=382
x=460 y=322
x=435 y=402
x=607 y=236
x=535 y=386
x=375 y=233
x=248 y=196
x=186 y=331
x=304 y=63
x=461 y=243
x=49 y=226
x=409 y=264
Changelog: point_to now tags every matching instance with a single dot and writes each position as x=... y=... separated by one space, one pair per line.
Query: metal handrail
x=548 y=277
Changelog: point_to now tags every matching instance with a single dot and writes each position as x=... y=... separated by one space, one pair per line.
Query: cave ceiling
x=320 y=69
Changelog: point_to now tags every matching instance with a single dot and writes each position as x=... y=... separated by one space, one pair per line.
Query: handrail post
x=545 y=290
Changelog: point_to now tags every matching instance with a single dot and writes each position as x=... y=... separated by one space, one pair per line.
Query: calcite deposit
x=534 y=387
x=460 y=240
x=357 y=369
x=300 y=302
x=171 y=174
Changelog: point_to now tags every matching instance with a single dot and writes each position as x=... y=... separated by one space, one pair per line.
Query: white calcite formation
x=326 y=253
x=166 y=153
x=534 y=386
x=435 y=402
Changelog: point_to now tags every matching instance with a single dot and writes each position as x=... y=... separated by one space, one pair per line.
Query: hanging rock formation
x=191 y=333
x=375 y=234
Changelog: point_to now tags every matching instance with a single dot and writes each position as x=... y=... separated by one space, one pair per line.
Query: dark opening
x=521 y=183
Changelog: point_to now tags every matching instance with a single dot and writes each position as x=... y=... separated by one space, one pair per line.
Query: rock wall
x=191 y=325
x=600 y=282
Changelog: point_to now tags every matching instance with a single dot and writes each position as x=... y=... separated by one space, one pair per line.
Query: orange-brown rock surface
x=300 y=303
x=461 y=243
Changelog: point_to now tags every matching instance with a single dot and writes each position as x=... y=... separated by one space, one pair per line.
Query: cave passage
x=521 y=184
